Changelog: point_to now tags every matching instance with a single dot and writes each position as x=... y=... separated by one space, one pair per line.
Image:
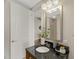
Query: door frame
x=7 y=29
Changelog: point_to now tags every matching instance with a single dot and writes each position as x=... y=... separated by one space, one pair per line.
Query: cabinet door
x=29 y=55
x=32 y=57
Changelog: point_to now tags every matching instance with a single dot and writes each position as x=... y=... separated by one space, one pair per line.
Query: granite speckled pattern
x=49 y=55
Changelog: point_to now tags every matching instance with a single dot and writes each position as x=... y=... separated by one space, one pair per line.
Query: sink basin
x=42 y=49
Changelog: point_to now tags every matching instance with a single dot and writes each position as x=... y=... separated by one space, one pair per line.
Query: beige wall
x=68 y=25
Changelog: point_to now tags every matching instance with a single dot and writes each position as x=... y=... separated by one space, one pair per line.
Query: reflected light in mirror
x=60 y=7
x=51 y=6
x=54 y=17
x=55 y=2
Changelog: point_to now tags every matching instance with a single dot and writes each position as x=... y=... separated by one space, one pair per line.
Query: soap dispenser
x=62 y=50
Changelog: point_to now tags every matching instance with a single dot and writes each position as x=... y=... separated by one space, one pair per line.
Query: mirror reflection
x=49 y=17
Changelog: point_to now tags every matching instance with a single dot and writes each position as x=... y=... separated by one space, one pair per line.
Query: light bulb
x=54 y=17
x=55 y=2
x=44 y=6
x=60 y=7
x=49 y=4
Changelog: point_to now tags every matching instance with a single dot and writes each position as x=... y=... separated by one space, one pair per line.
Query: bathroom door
x=16 y=31
x=19 y=30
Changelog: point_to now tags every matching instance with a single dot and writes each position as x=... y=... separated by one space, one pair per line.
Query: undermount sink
x=42 y=49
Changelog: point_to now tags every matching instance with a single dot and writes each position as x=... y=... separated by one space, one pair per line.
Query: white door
x=16 y=37
x=19 y=30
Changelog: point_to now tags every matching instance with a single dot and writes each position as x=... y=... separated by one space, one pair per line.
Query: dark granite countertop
x=49 y=55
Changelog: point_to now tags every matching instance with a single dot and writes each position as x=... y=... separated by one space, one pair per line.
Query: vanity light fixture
x=51 y=6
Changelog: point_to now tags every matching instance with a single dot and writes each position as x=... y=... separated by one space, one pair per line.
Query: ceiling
x=32 y=4
x=29 y=3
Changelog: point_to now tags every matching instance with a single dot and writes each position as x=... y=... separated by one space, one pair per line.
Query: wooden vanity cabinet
x=29 y=55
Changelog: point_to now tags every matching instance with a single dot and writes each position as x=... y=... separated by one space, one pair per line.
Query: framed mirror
x=50 y=17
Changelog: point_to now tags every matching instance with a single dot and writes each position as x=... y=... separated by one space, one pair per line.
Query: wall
x=6 y=29
x=68 y=25
x=21 y=30
x=31 y=28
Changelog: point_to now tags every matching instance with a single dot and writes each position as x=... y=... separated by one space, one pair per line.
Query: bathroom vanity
x=31 y=53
